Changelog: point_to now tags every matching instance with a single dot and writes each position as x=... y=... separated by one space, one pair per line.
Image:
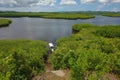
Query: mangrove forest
x=21 y=59
x=90 y=53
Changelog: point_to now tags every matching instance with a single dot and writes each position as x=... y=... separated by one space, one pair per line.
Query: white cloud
x=90 y=1
x=100 y=1
x=103 y=1
x=45 y=3
x=68 y=2
x=116 y=1
x=86 y=1
x=100 y=7
x=26 y=3
x=10 y=3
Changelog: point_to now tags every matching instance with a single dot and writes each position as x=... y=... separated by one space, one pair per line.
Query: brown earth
x=51 y=74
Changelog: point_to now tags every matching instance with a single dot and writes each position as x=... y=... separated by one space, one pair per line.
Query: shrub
x=21 y=59
x=108 y=31
x=89 y=55
x=78 y=27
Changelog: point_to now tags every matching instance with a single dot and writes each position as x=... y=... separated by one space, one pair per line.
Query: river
x=48 y=29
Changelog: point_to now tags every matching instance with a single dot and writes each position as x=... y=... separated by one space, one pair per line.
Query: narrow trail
x=50 y=73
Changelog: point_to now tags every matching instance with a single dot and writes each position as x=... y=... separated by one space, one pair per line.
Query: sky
x=59 y=5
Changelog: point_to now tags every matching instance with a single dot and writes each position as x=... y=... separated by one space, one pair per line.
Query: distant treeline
x=60 y=15
x=112 y=14
x=54 y=15
x=103 y=13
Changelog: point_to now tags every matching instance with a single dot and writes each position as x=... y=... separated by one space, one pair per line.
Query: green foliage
x=78 y=27
x=68 y=16
x=112 y=14
x=51 y=15
x=87 y=55
x=60 y=15
x=108 y=31
x=21 y=59
x=4 y=22
x=115 y=59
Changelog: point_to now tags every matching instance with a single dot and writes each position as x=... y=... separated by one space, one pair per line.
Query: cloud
x=91 y=1
x=8 y=3
x=103 y=1
x=100 y=7
x=68 y=2
x=116 y=1
x=100 y=1
x=86 y=1
x=44 y=3
x=26 y=3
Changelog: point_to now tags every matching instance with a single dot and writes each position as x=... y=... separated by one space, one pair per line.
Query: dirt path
x=51 y=74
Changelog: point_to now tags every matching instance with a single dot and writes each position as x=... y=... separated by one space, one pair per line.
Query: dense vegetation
x=60 y=15
x=109 y=31
x=89 y=53
x=68 y=16
x=21 y=59
x=112 y=14
x=4 y=22
x=54 y=15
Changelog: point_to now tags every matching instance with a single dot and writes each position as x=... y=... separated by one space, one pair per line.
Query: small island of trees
x=4 y=22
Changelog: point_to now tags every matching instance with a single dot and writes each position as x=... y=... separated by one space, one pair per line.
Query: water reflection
x=47 y=29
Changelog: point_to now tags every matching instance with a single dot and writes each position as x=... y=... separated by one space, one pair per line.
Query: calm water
x=47 y=29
